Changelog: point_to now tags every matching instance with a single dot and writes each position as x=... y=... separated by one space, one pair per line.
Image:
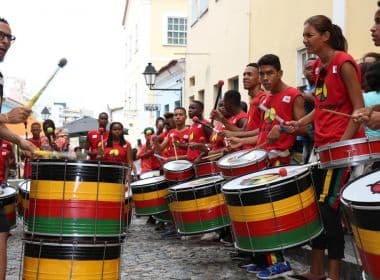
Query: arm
x=249 y=133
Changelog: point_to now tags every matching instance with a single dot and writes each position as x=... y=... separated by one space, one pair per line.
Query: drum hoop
x=200 y=187
x=346 y=142
x=148 y=185
x=350 y=161
x=351 y=204
x=12 y=193
x=72 y=245
x=220 y=180
x=257 y=160
x=81 y=164
x=263 y=187
x=177 y=171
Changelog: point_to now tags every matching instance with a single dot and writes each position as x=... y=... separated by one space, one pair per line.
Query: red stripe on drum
x=200 y=215
x=150 y=203
x=370 y=263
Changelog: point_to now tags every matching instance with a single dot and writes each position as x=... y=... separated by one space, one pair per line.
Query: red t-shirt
x=196 y=134
x=280 y=104
x=181 y=137
x=116 y=153
x=148 y=163
x=93 y=139
x=27 y=165
x=5 y=152
x=331 y=93
x=254 y=113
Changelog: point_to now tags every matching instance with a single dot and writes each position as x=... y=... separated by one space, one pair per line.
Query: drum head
x=150 y=174
x=6 y=192
x=263 y=178
x=149 y=181
x=25 y=186
x=365 y=190
x=234 y=159
x=198 y=183
x=177 y=165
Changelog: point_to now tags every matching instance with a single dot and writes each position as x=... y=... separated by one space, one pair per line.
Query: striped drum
x=270 y=212
x=149 y=195
x=361 y=202
x=127 y=210
x=198 y=206
x=23 y=199
x=73 y=198
x=8 y=202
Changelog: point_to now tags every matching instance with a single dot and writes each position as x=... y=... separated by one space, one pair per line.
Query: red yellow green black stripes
x=151 y=202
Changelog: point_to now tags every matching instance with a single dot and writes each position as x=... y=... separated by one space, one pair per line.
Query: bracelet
x=282 y=129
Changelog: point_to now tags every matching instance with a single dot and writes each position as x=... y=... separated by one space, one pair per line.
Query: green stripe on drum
x=58 y=226
x=204 y=226
x=279 y=241
x=151 y=210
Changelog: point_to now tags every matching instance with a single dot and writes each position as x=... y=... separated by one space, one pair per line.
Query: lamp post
x=45 y=113
x=150 y=75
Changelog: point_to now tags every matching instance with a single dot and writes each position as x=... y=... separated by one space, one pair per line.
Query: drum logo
x=270 y=115
x=375 y=188
x=322 y=92
x=265 y=178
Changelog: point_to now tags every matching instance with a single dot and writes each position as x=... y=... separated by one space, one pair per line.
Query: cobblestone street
x=146 y=256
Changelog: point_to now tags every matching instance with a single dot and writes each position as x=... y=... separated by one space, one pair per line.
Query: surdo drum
x=361 y=202
x=198 y=206
x=241 y=162
x=270 y=212
x=178 y=170
x=349 y=152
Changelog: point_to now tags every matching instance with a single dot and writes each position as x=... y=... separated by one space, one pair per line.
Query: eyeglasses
x=10 y=37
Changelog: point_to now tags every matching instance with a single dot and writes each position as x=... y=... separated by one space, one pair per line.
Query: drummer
x=94 y=137
x=35 y=129
x=148 y=161
x=7 y=159
x=338 y=87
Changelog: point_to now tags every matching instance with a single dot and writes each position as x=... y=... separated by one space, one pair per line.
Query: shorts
x=4 y=225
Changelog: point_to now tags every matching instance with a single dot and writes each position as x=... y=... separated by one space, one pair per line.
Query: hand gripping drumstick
x=197 y=120
x=33 y=101
x=337 y=113
x=175 y=150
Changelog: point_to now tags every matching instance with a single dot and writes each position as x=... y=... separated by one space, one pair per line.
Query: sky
x=88 y=33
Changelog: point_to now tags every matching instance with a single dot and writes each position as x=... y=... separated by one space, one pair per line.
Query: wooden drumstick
x=337 y=113
x=175 y=150
x=262 y=107
x=160 y=157
x=212 y=156
x=197 y=120
x=253 y=149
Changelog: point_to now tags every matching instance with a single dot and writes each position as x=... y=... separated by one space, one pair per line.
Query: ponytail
x=337 y=40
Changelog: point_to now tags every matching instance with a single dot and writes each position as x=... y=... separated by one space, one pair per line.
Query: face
x=194 y=110
x=35 y=130
x=375 y=29
x=312 y=39
x=179 y=117
x=5 y=43
x=222 y=109
x=103 y=120
x=117 y=130
x=250 y=77
x=308 y=70
x=160 y=125
x=270 y=77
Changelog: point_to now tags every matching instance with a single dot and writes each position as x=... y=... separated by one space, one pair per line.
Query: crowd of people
x=278 y=117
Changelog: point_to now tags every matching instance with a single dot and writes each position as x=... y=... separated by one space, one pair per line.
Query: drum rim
x=176 y=171
x=196 y=187
x=12 y=193
x=345 y=142
x=250 y=189
x=350 y=161
x=50 y=243
x=133 y=184
x=220 y=165
x=85 y=163
x=359 y=204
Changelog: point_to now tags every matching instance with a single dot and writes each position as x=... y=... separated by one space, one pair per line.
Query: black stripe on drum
x=23 y=194
x=79 y=252
x=364 y=218
x=7 y=200
x=77 y=172
x=150 y=188
x=194 y=193
x=268 y=194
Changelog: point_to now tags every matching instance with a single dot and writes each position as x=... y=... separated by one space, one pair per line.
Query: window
x=302 y=56
x=233 y=83
x=176 y=31
x=166 y=108
x=192 y=81
x=198 y=9
x=201 y=96
x=177 y=104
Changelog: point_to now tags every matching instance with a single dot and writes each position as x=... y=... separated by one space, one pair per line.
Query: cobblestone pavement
x=145 y=255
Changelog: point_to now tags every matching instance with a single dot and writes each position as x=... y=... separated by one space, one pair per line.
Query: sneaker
x=210 y=236
x=254 y=268
x=276 y=270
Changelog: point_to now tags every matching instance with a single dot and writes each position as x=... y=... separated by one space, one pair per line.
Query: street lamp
x=150 y=75
x=45 y=113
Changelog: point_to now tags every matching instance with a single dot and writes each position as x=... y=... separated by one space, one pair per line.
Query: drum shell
x=76 y=198
x=23 y=199
x=178 y=175
x=349 y=152
x=274 y=216
x=55 y=261
x=164 y=217
x=8 y=202
x=206 y=169
x=231 y=172
x=127 y=211
x=149 y=199
x=364 y=218
x=198 y=209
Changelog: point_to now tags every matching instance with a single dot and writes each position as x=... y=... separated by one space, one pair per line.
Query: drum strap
x=326 y=185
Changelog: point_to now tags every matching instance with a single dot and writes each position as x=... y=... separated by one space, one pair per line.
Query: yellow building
x=155 y=31
x=230 y=34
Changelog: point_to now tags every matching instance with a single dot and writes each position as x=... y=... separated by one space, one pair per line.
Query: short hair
x=36 y=123
x=375 y=55
x=159 y=119
x=180 y=108
x=373 y=76
x=199 y=103
x=233 y=97
x=3 y=20
x=270 y=59
x=253 y=64
x=168 y=115
x=103 y=113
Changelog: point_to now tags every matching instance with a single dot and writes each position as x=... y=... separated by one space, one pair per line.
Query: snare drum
x=361 y=202
x=149 y=196
x=149 y=174
x=269 y=212
x=349 y=152
x=76 y=198
x=198 y=206
x=23 y=199
x=208 y=168
x=8 y=201
x=237 y=164
x=178 y=170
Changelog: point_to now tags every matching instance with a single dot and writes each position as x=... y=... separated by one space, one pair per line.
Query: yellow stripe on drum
x=10 y=208
x=268 y=211
x=367 y=240
x=53 y=269
x=46 y=189
x=197 y=204
x=150 y=195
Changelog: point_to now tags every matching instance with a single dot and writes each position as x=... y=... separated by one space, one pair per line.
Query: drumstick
x=101 y=131
x=337 y=113
x=253 y=149
x=53 y=154
x=160 y=157
x=219 y=95
x=175 y=150
x=212 y=156
x=262 y=107
x=197 y=120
